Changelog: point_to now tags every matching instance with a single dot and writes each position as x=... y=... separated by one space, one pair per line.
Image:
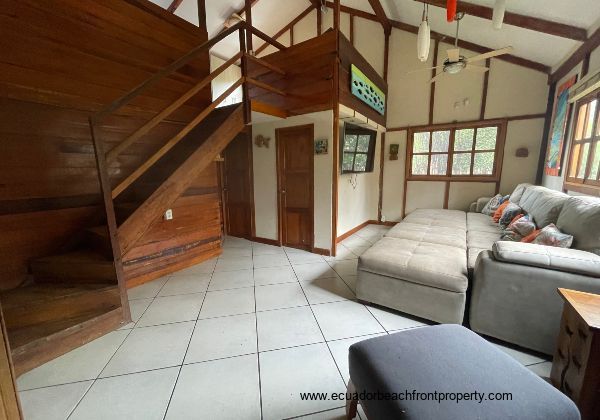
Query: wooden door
x=238 y=193
x=295 y=163
x=9 y=400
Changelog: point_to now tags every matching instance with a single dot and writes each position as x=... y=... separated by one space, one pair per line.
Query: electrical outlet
x=169 y=214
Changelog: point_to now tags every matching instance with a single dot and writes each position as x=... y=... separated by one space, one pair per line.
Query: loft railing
x=244 y=30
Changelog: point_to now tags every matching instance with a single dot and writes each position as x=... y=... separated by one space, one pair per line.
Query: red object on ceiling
x=450 y=10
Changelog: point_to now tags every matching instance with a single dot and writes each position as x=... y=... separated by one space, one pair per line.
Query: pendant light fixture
x=424 y=36
x=498 y=15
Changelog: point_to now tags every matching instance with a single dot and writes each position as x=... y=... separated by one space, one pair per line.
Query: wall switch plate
x=169 y=215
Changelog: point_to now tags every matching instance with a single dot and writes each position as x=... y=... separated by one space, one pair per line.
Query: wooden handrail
x=265 y=86
x=265 y=64
x=266 y=38
x=118 y=149
x=110 y=108
x=174 y=140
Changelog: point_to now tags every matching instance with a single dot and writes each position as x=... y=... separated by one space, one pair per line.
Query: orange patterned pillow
x=498 y=213
x=531 y=237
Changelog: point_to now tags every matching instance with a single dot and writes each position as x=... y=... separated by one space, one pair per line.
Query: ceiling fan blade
x=453 y=55
x=478 y=69
x=490 y=54
x=437 y=77
x=425 y=69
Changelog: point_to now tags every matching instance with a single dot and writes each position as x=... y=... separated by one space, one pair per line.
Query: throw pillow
x=498 y=213
x=513 y=221
x=510 y=212
x=509 y=235
x=531 y=237
x=492 y=205
x=551 y=236
x=523 y=226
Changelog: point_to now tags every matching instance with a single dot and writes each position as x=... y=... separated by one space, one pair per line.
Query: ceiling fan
x=455 y=62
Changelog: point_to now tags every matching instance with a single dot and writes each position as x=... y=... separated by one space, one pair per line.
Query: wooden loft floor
x=308 y=78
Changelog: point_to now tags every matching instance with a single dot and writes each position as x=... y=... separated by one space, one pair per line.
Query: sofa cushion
x=517 y=194
x=434 y=265
x=560 y=259
x=482 y=239
x=543 y=204
x=580 y=217
x=477 y=222
x=472 y=254
x=438 y=217
x=440 y=235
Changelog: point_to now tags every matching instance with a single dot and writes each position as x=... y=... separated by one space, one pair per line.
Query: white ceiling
x=269 y=16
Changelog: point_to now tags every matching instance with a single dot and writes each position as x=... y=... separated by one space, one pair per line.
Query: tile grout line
x=260 y=400
x=188 y=344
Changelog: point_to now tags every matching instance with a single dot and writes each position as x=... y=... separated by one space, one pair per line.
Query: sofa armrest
x=478 y=205
x=552 y=258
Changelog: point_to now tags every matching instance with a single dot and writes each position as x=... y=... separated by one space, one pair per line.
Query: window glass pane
x=595 y=163
x=589 y=125
x=421 y=143
x=360 y=162
x=486 y=138
x=598 y=125
x=584 y=159
x=348 y=161
x=580 y=122
x=350 y=143
x=363 y=143
x=419 y=164
x=574 y=161
x=439 y=165
x=483 y=163
x=440 y=141
x=463 y=139
x=461 y=164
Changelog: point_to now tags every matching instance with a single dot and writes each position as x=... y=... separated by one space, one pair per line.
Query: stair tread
x=44 y=331
x=36 y=293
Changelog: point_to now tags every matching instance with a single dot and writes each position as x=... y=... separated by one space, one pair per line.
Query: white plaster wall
x=462 y=194
x=327 y=22
x=393 y=177
x=265 y=178
x=223 y=81
x=424 y=195
x=306 y=28
x=369 y=40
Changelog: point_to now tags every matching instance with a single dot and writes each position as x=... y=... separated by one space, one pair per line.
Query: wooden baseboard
x=322 y=251
x=375 y=222
x=352 y=231
x=266 y=241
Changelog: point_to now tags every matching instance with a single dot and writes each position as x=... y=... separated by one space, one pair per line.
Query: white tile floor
x=238 y=337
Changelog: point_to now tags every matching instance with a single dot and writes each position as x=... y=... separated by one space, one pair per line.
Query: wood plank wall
x=59 y=62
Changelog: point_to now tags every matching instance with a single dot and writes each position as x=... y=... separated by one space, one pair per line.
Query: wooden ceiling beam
x=449 y=39
x=287 y=27
x=578 y=56
x=380 y=13
x=527 y=22
x=174 y=5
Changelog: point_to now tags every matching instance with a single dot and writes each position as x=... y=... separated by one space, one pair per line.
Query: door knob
x=282 y=191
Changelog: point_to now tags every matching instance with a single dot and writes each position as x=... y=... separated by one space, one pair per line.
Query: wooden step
x=37 y=344
x=76 y=267
x=98 y=239
x=35 y=304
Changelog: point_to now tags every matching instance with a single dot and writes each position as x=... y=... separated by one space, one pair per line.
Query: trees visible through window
x=456 y=151
x=584 y=159
x=358 y=149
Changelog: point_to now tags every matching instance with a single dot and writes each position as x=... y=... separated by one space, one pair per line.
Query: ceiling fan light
x=423 y=41
x=498 y=14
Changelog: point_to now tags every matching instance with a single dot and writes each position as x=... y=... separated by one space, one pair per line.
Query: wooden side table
x=576 y=363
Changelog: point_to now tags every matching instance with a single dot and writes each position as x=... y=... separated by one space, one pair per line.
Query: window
x=358 y=149
x=458 y=151
x=584 y=160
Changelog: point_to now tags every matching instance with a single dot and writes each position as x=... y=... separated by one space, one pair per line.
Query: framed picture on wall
x=558 y=131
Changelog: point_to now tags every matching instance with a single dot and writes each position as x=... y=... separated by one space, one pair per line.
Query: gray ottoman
x=434 y=372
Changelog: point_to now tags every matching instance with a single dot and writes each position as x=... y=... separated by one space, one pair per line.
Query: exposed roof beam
x=449 y=39
x=522 y=21
x=287 y=27
x=380 y=13
x=174 y=5
x=578 y=56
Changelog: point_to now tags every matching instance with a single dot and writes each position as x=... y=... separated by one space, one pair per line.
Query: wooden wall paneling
x=386 y=61
x=484 y=94
x=336 y=15
x=10 y=409
x=319 y=21
x=335 y=144
x=352 y=29
x=546 y=133
x=436 y=49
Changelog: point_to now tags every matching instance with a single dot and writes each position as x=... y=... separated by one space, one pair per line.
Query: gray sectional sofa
x=425 y=264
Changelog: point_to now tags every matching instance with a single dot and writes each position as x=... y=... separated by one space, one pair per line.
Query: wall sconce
x=261 y=141
x=522 y=152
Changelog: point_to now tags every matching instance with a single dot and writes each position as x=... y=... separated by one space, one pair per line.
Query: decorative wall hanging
x=522 y=152
x=261 y=141
x=394 y=148
x=321 y=147
x=556 y=143
x=366 y=90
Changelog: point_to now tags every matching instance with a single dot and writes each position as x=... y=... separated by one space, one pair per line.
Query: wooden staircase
x=80 y=294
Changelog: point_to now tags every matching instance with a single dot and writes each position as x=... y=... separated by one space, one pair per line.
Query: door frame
x=222 y=185
x=279 y=169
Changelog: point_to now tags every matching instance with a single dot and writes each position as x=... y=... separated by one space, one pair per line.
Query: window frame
x=352 y=129
x=501 y=124
x=584 y=185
